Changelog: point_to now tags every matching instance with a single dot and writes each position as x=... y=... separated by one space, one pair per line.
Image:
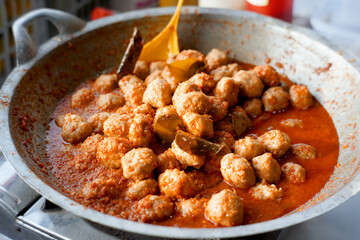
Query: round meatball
x=91 y=144
x=191 y=208
x=224 y=137
x=157 y=66
x=248 y=148
x=225 y=208
x=176 y=184
x=167 y=160
x=141 y=189
x=75 y=129
x=237 y=171
x=264 y=191
x=154 y=75
x=117 y=125
x=140 y=131
x=253 y=107
x=303 y=151
x=294 y=172
x=227 y=90
x=199 y=125
x=153 y=208
x=101 y=187
x=225 y=71
x=111 y=150
x=268 y=75
x=266 y=168
x=183 y=88
x=275 y=98
x=218 y=108
x=141 y=69
x=158 y=93
x=81 y=98
x=97 y=121
x=190 y=53
x=275 y=142
x=139 y=164
x=187 y=159
x=133 y=88
x=204 y=81
x=249 y=84
x=300 y=97
x=196 y=102
x=216 y=58
x=105 y=83
x=110 y=101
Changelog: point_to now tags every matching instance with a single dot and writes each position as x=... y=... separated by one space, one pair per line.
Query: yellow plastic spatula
x=165 y=43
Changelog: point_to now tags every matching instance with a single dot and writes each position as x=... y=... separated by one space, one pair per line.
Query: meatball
x=141 y=69
x=110 y=101
x=141 y=131
x=225 y=71
x=141 y=189
x=225 y=208
x=275 y=142
x=153 y=208
x=300 y=97
x=264 y=191
x=139 y=164
x=227 y=90
x=292 y=123
x=176 y=184
x=218 y=108
x=97 y=121
x=187 y=159
x=204 y=81
x=266 y=168
x=253 y=107
x=91 y=144
x=248 y=148
x=196 y=102
x=191 y=208
x=183 y=88
x=81 y=98
x=100 y=187
x=59 y=121
x=275 y=98
x=157 y=66
x=75 y=129
x=199 y=180
x=303 y=151
x=133 y=88
x=111 y=150
x=167 y=75
x=249 y=84
x=167 y=160
x=154 y=75
x=199 y=125
x=105 y=83
x=158 y=93
x=294 y=172
x=224 y=137
x=268 y=75
x=117 y=125
x=186 y=54
x=216 y=58
x=237 y=171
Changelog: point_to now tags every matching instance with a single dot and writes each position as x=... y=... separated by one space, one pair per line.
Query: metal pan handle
x=25 y=47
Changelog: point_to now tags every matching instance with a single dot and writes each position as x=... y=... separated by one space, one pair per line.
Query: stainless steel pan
x=81 y=51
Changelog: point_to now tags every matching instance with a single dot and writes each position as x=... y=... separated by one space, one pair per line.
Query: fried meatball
x=185 y=87
x=133 y=88
x=75 y=129
x=225 y=71
x=158 y=93
x=139 y=163
x=110 y=101
x=275 y=98
x=141 y=69
x=218 y=108
x=237 y=171
x=141 y=132
x=227 y=90
x=167 y=75
x=141 y=189
x=303 y=151
x=300 y=97
x=275 y=142
x=167 y=160
x=187 y=159
x=105 y=83
x=117 y=125
x=266 y=167
x=225 y=208
x=249 y=84
x=196 y=102
x=190 y=53
x=253 y=107
x=248 y=148
x=268 y=75
x=176 y=184
x=294 y=172
x=99 y=188
x=97 y=121
x=204 y=81
x=154 y=208
x=216 y=58
x=224 y=137
x=111 y=150
x=154 y=75
x=91 y=144
x=264 y=191
x=199 y=125
x=81 y=98
x=191 y=208
x=157 y=66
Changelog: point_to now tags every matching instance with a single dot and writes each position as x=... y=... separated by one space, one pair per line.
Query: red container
x=281 y=9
